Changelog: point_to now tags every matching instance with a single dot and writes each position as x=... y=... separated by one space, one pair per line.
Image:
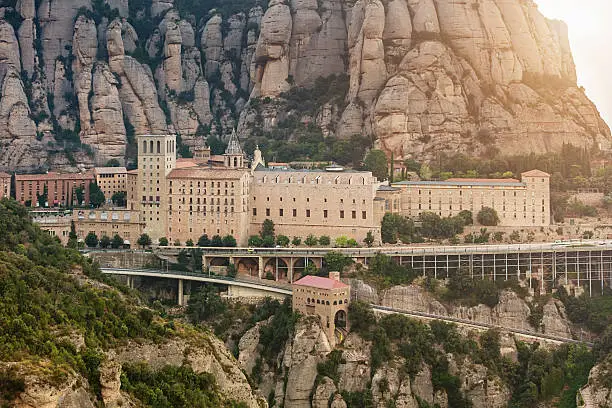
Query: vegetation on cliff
x=51 y=296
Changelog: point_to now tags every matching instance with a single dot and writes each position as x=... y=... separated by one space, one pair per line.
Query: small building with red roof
x=327 y=298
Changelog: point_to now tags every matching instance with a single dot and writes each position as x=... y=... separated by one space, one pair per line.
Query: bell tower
x=233 y=156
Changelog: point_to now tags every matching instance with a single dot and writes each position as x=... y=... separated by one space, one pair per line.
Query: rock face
x=424 y=75
x=597 y=392
x=511 y=311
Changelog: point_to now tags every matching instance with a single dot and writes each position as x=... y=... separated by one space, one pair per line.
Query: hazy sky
x=590 y=31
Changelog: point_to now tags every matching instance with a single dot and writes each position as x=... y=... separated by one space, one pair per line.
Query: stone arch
x=277 y=267
x=218 y=261
x=340 y=319
x=248 y=267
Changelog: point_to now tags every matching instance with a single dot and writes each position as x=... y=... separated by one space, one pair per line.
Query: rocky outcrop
x=511 y=311
x=45 y=388
x=598 y=391
x=204 y=353
x=425 y=76
x=271 y=62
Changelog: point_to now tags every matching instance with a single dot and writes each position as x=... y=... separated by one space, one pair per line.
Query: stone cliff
x=477 y=76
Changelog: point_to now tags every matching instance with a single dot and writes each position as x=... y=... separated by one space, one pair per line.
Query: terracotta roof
x=535 y=173
x=4 y=175
x=320 y=282
x=54 y=176
x=135 y=171
x=207 y=173
x=183 y=163
x=479 y=180
x=110 y=170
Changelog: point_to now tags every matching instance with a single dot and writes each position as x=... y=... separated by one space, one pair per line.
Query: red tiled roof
x=207 y=172
x=472 y=180
x=54 y=176
x=320 y=282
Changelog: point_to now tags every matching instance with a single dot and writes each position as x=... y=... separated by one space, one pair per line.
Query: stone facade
x=327 y=298
x=111 y=180
x=5 y=185
x=186 y=198
x=56 y=223
x=109 y=222
x=518 y=203
x=315 y=202
x=61 y=188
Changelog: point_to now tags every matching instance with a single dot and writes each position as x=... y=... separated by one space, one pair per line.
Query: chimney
x=335 y=276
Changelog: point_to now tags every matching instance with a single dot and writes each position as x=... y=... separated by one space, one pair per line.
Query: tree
x=96 y=196
x=163 y=241
x=255 y=241
x=282 y=240
x=80 y=195
x=43 y=199
x=425 y=172
x=232 y=271
x=189 y=243
x=91 y=240
x=144 y=240
x=311 y=240
x=342 y=241
x=177 y=243
x=216 y=241
x=467 y=217
x=204 y=241
x=117 y=241
x=369 y=239
x=296 y=241
x=376 y=162
x=113 y=163
x=205 y=304
x=488 y=217
x=267 y=242
x=72 y=237
x=337 y=261
x=105 y=241
x=229 y=241
x=267 y=229
x=324 y=240
x=119 y=199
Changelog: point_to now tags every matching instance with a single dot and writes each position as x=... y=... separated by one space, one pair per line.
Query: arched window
x=144 y=146
x=318 y=301
x=327 y=303
x=335 y=302
x=158 y=146
x=235 y=162
x=340 y=302
x=151 y=146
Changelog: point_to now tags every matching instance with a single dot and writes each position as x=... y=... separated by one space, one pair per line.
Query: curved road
x=261 y=284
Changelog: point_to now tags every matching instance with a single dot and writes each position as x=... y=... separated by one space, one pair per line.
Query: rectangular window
x=267 y=212
x=341 y=213
x=353 y=214
x=364 y=215
x=324 y=213
x=280 y=212
x=294 y=212
x=254 y=212
x=307 y=213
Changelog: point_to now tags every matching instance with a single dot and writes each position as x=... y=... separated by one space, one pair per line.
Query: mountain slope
x=80 y=77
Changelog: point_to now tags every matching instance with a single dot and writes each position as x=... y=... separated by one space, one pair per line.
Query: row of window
x=170 y=146
x=294 y=213
x=325 y=302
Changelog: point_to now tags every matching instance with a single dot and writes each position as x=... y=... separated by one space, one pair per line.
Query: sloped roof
x=233 y=146
x=535 y=173
x=110 y=170
x=320 y=282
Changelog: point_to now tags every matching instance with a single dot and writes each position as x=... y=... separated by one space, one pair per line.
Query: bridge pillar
x=181 y=300
x=204 y=263
x=261 y=267
x=290 y=270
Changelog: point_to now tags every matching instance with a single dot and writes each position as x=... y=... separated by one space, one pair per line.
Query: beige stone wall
x=527 y=204
x=55 y=225
x=212 y=205
x=156 y=158
x=319 y=203
x=321 y=302
x=132 y=187
x=111 y=183
x=109 y=222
